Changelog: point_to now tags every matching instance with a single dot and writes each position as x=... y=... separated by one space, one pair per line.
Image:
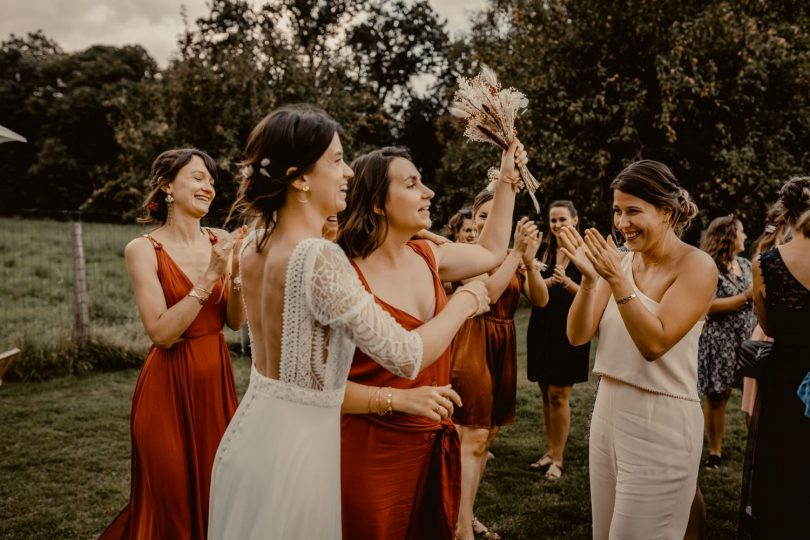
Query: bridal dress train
x=277 y=470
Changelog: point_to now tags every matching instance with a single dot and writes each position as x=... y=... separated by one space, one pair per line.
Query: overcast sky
x=155 y=24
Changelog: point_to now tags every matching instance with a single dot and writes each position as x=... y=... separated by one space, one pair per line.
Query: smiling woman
x=185 y=395
x=648 y=306
x=410 y=442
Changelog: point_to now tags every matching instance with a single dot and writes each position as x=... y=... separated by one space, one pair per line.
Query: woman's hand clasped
x=433 y=402
x=224 y=251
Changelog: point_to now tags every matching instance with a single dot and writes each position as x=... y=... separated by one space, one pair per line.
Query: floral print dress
x=723 y=334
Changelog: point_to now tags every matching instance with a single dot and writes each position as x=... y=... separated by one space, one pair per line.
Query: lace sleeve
x=336 y=298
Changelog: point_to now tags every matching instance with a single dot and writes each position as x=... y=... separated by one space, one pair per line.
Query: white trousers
x=644 y=458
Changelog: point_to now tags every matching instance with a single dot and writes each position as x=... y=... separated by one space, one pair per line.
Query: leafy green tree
x=63 y=102
x=718 y=90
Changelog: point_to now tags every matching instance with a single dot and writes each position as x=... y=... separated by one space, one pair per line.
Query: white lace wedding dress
x=277 y=470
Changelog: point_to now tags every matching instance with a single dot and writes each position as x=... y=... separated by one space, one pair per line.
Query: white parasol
x=6 y=135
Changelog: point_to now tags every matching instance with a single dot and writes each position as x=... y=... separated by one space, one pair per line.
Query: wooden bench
x=6 y=359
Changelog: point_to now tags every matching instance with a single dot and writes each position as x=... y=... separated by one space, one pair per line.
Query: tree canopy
x=718 y=90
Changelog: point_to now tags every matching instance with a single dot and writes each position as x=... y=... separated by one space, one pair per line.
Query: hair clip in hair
x=246 y=171
x=770 y=229
x=153 y=206
x=264 y=163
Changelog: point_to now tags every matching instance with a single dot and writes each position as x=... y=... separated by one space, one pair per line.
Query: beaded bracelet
x=626 y=299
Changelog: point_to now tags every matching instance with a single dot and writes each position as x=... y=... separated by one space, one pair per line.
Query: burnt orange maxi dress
x=484 y=366
x=184 y=399
x=400 y=474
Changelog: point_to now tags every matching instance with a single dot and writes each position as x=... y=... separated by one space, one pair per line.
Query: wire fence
x=43 y=312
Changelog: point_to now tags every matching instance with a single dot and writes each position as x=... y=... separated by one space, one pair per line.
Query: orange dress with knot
x=400 y=474
x=183 y=401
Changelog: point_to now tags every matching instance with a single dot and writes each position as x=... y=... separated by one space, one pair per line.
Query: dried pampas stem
x=490 y=112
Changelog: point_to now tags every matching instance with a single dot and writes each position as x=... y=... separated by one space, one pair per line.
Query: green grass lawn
x=36 y=292
x=64 y=461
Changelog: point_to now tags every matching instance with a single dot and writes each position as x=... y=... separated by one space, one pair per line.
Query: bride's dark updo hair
x=292 y=136
x=654 y=182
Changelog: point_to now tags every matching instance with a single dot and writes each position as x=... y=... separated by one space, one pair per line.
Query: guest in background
x=729 y=323
x=777 y=475
x=551 y=360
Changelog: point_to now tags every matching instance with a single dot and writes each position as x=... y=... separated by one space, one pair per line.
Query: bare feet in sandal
x=541 y=464
x=554 y=472
x=483 y=531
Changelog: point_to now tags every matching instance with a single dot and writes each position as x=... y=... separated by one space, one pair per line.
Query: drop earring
x=304 y=195
x=169 y=198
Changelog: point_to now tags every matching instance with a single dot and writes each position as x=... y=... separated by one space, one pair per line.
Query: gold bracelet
x=389 y=403
x=194 y=294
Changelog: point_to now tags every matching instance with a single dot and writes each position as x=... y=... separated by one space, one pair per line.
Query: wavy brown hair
x=720 y=239
x=164 y=171
x=363 y=225
x=290 y=137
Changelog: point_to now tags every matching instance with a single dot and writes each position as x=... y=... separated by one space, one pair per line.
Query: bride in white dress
x=277 y=470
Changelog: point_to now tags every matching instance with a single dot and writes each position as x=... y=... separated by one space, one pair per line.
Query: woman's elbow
x=651 y=354
x=576 y=339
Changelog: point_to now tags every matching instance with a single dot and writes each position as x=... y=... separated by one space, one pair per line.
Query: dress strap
x=155 y=243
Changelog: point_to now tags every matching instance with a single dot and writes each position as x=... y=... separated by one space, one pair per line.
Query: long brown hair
x=290 y=137
x=363 y=225
x=720 y=239
x=164 y=171
x=549 y=247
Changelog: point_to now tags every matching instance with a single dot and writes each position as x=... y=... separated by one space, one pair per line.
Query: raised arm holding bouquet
x=490 y=112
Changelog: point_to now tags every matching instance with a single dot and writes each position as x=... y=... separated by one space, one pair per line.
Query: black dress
x=550 y=357
x=776 y=479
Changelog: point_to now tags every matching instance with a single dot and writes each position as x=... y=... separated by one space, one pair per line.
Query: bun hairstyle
x=795 y=198
x=363 y=225
x=803 y=224
x=774 y=232
x=164 y=171
x=654 y=182
x=292 y=136
x=720 y=239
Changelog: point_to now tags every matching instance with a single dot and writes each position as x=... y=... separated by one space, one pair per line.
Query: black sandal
x=712 y=462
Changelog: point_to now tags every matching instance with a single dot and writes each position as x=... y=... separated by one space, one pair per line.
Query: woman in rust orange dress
x=400 y=451
x=185 y=395
x=484 y=366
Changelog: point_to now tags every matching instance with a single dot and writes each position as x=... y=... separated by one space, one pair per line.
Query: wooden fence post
x=81 y=302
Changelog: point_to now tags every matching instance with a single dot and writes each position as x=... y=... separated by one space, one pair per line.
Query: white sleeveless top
x=674 y=374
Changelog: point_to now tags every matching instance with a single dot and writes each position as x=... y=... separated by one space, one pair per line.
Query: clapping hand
x=226 y=249
x=603 y=255
x=573 y=246
x=559 y=277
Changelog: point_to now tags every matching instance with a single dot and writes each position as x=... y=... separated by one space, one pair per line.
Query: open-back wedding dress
x=277 y=470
